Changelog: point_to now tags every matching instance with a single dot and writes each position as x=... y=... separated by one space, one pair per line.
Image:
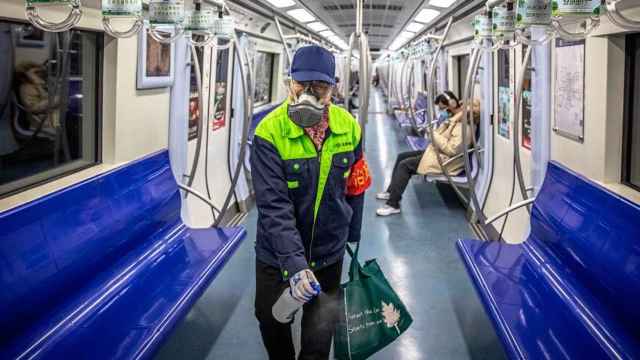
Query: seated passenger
x=448 y=137
x=336 y=94
x=34 y=97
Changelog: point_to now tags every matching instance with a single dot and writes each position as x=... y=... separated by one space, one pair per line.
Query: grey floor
x=416 y=250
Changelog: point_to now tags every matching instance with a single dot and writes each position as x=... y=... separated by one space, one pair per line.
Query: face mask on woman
x=443 y=115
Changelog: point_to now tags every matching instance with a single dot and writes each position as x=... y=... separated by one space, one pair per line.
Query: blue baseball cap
x=313 y=63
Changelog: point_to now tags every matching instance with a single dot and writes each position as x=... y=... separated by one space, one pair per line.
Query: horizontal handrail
x=509 y=210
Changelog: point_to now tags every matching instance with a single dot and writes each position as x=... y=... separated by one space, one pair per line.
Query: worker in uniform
x=309 y=176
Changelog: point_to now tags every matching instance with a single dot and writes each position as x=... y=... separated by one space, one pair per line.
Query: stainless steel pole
x=467 y=118
x=284 y=41
x=516 y=124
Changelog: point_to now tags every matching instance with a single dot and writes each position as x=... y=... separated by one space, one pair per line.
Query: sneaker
x=387 y=210
x=383 y=196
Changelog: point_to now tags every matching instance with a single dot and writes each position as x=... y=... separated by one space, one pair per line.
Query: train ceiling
x=384 y=20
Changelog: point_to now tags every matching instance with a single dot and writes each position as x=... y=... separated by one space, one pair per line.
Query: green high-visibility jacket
x=305 y=216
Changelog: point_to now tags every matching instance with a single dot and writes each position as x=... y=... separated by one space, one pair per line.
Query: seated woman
x=448 y=137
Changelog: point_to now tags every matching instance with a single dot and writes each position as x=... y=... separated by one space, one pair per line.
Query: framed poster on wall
x=155 y=62
x=569 y=89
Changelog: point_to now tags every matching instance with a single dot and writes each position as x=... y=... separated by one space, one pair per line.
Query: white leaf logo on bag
x=391 y=315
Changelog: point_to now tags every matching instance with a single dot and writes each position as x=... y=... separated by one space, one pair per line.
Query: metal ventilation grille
x=381 y=17
x=383 y=7
x=367 y=25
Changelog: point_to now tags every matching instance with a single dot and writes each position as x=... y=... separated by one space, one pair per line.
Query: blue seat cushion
x=258 y=117
x=103 y=269
x=573 y=284
x=128 y=310
x=535 y=317
x=403 y=118
x=417 y=142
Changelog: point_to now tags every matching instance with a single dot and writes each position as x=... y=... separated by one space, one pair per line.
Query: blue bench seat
x=104 y=269
x=257 y=117
x=570 y=290
x=403 y=118
x=417 y=142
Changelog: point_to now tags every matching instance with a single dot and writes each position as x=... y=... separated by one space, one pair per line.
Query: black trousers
x=318 y=319
x=405 y=167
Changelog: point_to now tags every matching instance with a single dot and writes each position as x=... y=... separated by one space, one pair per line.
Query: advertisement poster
x=526 y=119
x=194 y=99
x=504 y=115
x=504 y=94
x=218 y=112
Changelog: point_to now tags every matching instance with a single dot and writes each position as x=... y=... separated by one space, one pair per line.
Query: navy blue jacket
x=305 y=216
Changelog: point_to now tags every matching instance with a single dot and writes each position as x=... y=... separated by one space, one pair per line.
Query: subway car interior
x=319 y=179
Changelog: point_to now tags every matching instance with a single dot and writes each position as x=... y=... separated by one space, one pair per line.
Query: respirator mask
x=307 y=109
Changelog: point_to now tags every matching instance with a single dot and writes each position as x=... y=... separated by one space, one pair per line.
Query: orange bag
x=359 y=178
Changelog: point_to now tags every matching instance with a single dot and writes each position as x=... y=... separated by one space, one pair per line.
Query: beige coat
x=448 y=137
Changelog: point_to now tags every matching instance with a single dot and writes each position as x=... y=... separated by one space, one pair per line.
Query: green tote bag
x=372 y=314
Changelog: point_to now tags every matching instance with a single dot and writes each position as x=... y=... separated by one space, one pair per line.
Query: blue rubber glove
x=304 y=286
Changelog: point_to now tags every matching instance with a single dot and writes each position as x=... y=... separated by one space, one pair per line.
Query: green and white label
x=533 y=12
x=121 y=7
x=199 y=20
x=504 y=22
x=576 y=7
x=482 y=27
x=166 y=12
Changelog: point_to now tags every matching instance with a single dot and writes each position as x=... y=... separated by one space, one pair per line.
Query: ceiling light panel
x=282 y=3
x=415 y=27
x=327 y=33
x=441 y=3
x=317 y=26
x=301 y=15
x=427 y=15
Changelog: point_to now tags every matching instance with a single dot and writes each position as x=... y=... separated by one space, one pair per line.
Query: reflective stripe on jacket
x=305 y=216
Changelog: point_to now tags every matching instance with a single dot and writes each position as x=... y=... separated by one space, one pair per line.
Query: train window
x=631 y=166
x=504 y=93
x=264 y=78
x=49 y=122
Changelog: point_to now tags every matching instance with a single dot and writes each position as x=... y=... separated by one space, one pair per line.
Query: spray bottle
x=286 y=307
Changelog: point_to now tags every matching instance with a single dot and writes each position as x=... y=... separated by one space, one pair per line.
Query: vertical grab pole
x=347 y=77
x=359 y=15
x=412 y=80
x=365 y=86
x=516 y=125
x=467 y=118
x=242 y=59
x=390 y=80
x=403 y=70
x=284 y=40
x=196 y=64
x=429 y=127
